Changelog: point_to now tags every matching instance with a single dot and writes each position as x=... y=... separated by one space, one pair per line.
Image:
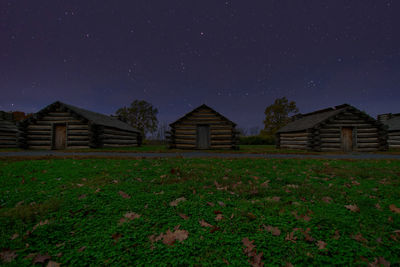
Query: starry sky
x=236 y=56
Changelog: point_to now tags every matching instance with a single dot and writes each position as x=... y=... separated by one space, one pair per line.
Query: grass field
x=199 y=212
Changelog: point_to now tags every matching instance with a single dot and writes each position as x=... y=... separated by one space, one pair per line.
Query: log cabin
x=203 y=128
x=8 y=131
x=340 y=128
x=63 y=126
x=392 y=121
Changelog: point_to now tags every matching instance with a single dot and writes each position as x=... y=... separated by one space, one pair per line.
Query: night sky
x=236 y=56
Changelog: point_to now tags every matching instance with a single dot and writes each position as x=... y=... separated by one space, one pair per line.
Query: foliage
x=277 y=115
x=174 y=212
x=141 y=115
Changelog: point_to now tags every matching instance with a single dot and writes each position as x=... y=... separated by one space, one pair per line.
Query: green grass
x=63 y=195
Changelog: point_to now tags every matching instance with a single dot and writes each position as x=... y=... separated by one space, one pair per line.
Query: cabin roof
x=198 y=108
x=393 y=123
x=312 y=119
x=94 y=117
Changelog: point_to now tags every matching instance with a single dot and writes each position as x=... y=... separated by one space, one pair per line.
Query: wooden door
x=347 y=139
x=60 y=136
x=203 y=136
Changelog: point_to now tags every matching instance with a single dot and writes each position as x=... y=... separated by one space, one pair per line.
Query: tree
x=277 y=115
x=141 y=115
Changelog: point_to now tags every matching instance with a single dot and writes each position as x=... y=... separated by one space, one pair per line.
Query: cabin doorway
x=347 y=139
x=60 y=136
x=203 y=136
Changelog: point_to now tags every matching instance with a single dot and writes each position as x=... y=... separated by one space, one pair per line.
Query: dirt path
x=199 y=154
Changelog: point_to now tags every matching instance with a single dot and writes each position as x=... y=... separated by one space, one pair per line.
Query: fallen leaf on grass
x=14 y=236
x=321 y=244
x=380 y=261
x=204 y=223
x=222 y=204
x=7 y=255
x=41 y=223
x=303 y=217
x=378 y=206
x=359 y=238
x=129 y=216
x=176 y=201
x=170 y=237
x=159 y=193
x=393 y=208
x=124 y=195
x=41 y=258
x=82 y=197
x=210 y=204
x=183 y=216
x=79 y=185
x=251 y=252
x=251 y=216
x=82 y=249
x=19 y=203
x=273 y=230
x=337 y=235
x=327 y=199
x=116 y=237
x=352 y=208
x=53 y=264
x=219 y=217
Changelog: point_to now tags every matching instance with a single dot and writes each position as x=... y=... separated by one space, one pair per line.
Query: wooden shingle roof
x=311 y=120
x=200 y=107
x=93 y=117
x=393 y=124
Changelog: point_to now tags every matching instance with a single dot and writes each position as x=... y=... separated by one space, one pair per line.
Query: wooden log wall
x=366 y=135
x=112 y=137
x=8 y=134
x=394 y=139
x=294 y=140
x=39 y=134
x=222 y=133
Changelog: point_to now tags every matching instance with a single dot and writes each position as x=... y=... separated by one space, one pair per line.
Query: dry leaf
x=276 y=199
x=53 y=264
x=359 y=238
x=116 y=237
x=327 y=199
x=321 y=244
x=41 y=258
x=204 y=223
x=169 y=237
x=82 y=249
x=7 y=255
x=222 y=204
x=210 y=204
x=219 y=217
x=352 y=208
x=82 y=197
x=176 y=201
x=14 y=236
x=273 y=230
x=183 y=216
x=393 y=208
x=337 y=235
x=380 y=261
x=124 y=195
